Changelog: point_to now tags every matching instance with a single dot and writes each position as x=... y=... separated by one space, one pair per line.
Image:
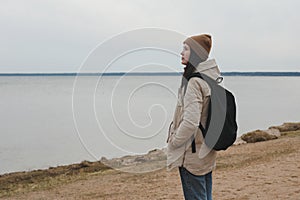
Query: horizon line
x=229 y=73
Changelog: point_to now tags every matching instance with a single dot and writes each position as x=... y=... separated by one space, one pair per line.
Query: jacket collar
x=209 y=68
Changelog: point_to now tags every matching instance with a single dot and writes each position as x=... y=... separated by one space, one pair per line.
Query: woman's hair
x=193 y=62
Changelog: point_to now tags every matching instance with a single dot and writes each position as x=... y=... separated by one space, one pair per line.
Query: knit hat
x=201 y=44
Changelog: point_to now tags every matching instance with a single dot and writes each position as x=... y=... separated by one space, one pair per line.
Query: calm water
x=53 y=120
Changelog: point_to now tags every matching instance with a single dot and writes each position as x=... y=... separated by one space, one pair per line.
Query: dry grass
x=245 y=155
x=291 y=133
x=22 y=182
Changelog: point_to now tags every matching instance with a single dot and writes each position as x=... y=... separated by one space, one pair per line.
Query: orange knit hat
x=201 y=44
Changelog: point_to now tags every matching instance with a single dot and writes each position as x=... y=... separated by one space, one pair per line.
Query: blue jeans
x=196 y=187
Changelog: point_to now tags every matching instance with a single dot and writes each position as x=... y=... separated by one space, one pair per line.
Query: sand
x=262 y=170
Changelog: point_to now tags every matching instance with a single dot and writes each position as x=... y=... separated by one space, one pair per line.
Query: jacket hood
x=209 y=68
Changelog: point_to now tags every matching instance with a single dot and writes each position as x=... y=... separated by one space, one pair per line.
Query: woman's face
x=185 y=54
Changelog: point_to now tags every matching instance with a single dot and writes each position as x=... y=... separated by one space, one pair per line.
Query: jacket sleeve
x=192 y=102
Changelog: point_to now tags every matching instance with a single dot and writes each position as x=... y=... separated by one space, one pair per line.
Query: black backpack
x=221 y=128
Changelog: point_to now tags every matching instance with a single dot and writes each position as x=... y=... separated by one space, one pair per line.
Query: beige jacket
x=192 y=108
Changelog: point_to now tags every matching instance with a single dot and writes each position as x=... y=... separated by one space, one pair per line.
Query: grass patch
x=22 y=182
x=291 y=133
x=238 y=161
x=260 y=152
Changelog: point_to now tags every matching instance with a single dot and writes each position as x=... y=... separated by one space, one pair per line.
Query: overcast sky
x=58 y=35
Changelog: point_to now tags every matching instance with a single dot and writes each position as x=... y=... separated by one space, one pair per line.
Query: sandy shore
x=262 y=170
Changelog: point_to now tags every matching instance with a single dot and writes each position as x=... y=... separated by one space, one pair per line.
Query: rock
x=287 y=127
x=127 y=161
x=140 y=159
x=257 y=136
x=103 y=159
x=153 y=151
x=85 y=163
x=154 y=155
x=273 y=131
x=239 y=141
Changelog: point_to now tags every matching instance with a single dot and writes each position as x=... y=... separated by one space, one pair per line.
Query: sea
x=58 y=119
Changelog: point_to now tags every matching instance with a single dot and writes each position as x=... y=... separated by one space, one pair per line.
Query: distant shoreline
x=151 y=74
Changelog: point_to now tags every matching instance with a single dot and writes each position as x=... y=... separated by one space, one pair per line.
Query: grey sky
x=57 y=35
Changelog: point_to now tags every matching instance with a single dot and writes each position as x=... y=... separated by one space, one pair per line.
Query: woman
x=196 y=162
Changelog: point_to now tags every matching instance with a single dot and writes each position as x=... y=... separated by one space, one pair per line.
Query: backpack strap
x=199 y=75
x=193 y=146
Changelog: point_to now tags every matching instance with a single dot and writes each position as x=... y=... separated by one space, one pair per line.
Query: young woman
x=196 y=162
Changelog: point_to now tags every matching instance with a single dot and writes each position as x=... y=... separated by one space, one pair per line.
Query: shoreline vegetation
x=290 y=74
x=263 y=164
